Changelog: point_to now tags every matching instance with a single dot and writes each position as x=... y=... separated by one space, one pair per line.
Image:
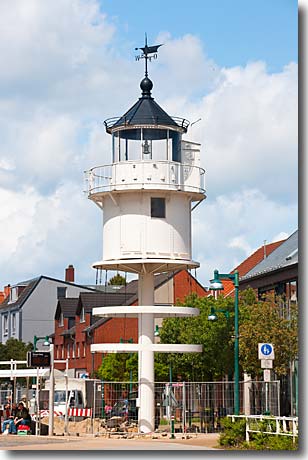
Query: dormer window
x=13 y=294
x=61 y=320
x=82 y=315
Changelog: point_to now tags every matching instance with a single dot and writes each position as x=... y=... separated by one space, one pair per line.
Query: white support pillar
x=146 y=358
x=247 y=390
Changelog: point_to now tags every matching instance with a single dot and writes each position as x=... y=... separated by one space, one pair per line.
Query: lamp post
x=216 y=285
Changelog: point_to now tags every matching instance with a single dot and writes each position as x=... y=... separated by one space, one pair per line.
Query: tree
x=259 y=321
x=119 y=367
x=14 y=349
x=263 y=321
x=117 y=280
x=216 y=359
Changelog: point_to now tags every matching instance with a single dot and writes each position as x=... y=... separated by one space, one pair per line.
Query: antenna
x=146 y=52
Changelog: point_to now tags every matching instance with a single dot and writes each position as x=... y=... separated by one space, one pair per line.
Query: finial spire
x=146 y=51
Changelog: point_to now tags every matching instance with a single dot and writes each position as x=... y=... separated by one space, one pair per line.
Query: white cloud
x=60 y=76
x=228 y=229
x=44 y=234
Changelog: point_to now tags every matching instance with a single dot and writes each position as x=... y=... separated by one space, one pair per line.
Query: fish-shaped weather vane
x=148 y=53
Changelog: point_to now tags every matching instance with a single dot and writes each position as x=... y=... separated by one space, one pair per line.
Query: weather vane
x=146 y=51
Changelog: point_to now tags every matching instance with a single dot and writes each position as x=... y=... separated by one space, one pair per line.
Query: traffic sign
x=266 y=363
x=267 y=375
x=266 y=351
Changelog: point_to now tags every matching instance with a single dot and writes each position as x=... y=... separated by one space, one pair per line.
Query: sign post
x=266 y=356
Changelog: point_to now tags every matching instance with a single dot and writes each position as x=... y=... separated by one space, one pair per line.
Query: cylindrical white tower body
x=132 y=230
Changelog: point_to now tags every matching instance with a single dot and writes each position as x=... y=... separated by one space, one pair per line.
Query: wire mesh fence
x=112 y=407
x=195 y=406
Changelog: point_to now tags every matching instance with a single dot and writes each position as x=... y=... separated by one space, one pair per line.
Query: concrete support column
x=146 y=358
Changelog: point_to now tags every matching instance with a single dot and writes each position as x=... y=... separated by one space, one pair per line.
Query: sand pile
x=87 y=426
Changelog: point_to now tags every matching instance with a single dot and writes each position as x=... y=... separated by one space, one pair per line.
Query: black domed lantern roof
x=146 y=113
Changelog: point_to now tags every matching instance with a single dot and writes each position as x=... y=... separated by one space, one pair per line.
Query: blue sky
x=232 y=32
x=67 y=65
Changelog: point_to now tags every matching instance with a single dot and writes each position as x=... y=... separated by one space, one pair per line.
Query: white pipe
x=146 y=357
x=51 y=391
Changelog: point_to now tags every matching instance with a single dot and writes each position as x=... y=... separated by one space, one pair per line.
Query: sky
x=68 y=65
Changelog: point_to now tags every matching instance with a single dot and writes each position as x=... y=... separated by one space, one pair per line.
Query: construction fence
x=195 y=407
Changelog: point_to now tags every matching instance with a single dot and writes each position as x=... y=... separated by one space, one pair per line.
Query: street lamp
x=216 y=285
x=36 y=339
x=213 y=317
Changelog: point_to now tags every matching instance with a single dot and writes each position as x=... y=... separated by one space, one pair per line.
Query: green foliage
x=14 y=349
x=259 y=321
x=234 y=436
x=117 y=280
x=234 y=433
x=216 y=360
x=267 y=320
x=123 y=367
x=119 y=367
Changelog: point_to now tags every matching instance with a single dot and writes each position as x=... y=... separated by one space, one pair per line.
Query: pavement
x=60 y=443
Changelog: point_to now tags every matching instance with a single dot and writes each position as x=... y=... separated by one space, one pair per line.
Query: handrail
x=181 y=122
x=177 y=163
x=158 y=174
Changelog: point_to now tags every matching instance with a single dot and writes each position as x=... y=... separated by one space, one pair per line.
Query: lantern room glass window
x=158 y=207
x=146 y=144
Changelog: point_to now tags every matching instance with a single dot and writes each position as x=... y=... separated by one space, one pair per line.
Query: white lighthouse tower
x=147 y=195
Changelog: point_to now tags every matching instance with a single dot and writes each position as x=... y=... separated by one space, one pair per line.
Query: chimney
x=70 y=274
x=264 y=250
x=7 y=290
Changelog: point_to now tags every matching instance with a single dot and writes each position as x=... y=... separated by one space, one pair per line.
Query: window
x=5 y=324
x=158 y=207
x=84 y=349
x=82 y=315
x=78 y=350
x=68 y=350
x=13 y=323
x=13 y=294
x=61 y=320
x=61 y=292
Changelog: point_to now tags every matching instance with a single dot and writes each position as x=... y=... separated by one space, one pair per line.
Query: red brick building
x=76 y=328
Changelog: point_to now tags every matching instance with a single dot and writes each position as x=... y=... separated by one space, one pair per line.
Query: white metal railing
x=283 y=426
x=145 y=174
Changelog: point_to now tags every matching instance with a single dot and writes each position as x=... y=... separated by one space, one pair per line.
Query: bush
x=234 y=433
x=234 y=436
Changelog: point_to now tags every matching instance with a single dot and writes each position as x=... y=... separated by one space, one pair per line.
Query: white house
x=29 y=307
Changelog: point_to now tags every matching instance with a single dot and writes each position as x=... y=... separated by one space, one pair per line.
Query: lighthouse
x=147 y=194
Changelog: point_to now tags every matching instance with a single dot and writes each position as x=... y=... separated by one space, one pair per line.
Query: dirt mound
x=86 y=426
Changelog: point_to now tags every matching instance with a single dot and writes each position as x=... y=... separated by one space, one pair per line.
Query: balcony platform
x=146 y=265
x=133 y=311
x=135 y=347
x=145 y=175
